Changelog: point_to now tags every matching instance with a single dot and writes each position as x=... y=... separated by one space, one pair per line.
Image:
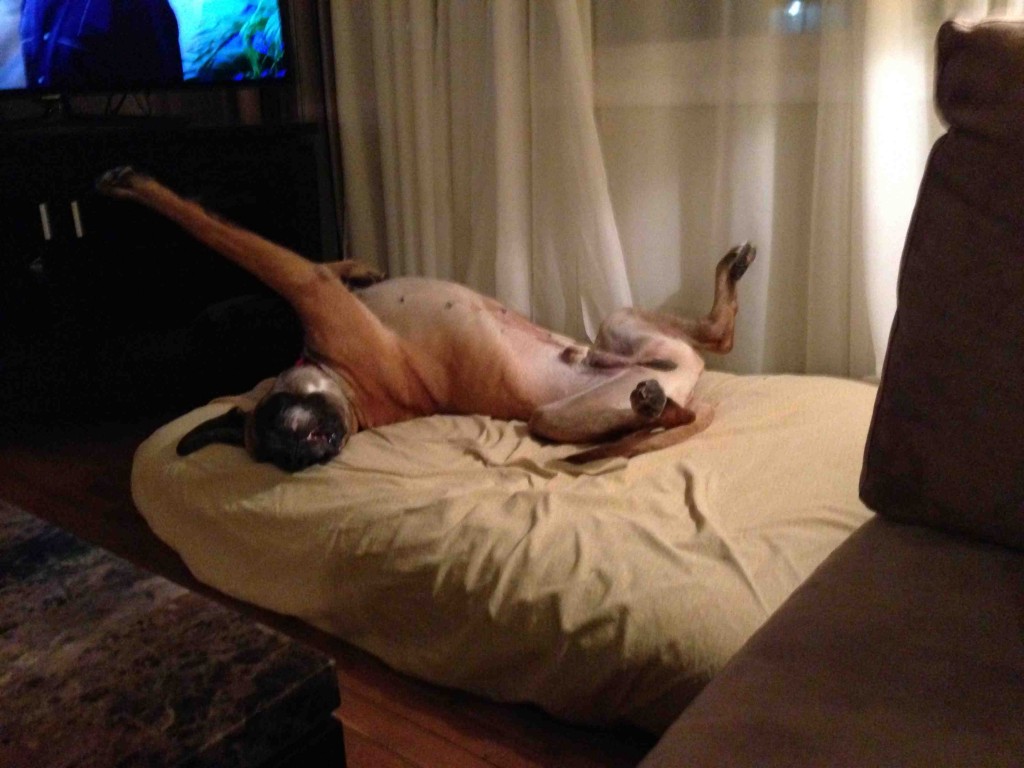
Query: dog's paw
x=648 y=399
x=739 y=258
x=117 y=182
x=359 y=274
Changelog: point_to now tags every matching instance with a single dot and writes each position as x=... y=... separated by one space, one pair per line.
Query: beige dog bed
x=461 y=551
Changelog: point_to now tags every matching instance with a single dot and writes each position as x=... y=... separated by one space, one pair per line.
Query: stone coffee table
x=104 y=664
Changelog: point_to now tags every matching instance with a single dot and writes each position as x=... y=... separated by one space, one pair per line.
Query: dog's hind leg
x=657 y=354
x=647 y=440
x=649 y=422
x=625 y=402
x=638 y=332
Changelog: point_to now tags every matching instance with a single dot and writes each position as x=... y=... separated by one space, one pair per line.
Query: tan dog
x=411 y=347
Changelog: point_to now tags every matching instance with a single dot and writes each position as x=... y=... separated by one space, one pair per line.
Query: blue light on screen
x=230 y=39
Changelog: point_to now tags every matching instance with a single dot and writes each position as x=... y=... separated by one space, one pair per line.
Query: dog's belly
x=474 y=354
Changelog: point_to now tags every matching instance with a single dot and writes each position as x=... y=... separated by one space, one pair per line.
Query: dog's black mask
x=296 y=431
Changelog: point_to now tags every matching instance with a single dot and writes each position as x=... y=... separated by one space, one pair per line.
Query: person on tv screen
x=12 y=65
x=99 y=43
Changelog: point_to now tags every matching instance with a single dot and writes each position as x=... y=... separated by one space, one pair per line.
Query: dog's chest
x=471 y=347
x=435 y=313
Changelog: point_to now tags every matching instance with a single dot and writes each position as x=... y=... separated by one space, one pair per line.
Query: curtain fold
x=570 y=158
x=471 y=152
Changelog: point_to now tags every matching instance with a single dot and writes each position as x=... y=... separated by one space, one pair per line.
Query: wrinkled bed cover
x=461 y=551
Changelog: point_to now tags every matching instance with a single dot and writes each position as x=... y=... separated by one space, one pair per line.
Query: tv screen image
x=68 y=46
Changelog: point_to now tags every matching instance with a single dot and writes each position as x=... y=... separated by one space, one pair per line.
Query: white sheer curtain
x=571 y=157
x=802 y=126
x=471 y=151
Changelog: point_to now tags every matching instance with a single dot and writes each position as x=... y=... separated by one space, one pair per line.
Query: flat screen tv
x=66 y=47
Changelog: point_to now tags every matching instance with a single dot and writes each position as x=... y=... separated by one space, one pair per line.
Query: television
x=66 y=47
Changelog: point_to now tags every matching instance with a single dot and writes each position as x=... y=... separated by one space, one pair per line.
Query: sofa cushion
x=946 y=444
x=980 y=78
x=904 y=648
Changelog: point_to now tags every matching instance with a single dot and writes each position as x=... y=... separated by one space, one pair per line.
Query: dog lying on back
x=379 y=352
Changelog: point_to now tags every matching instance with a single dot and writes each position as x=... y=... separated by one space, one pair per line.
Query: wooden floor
x=77 y=477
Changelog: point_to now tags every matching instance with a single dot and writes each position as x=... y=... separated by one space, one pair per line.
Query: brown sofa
x=906 y=647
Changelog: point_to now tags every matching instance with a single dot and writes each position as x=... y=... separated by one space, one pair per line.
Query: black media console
x=107 y=308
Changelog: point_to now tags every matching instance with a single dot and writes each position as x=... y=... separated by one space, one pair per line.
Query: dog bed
x=463 y=552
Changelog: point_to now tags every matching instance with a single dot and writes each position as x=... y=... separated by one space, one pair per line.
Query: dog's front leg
x=282 y=270
x=336 y=323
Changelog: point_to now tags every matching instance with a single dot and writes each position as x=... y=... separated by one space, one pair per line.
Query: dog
x=381 y=351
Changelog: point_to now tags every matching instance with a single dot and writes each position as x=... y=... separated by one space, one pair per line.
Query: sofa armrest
x=904 y=648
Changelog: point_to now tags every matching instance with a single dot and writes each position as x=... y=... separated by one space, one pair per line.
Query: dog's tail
x=647 y=440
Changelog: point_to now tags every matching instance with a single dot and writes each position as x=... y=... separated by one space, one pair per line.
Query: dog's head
x=304 y=419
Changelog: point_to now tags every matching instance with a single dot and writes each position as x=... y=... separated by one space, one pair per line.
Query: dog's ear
x=228 y=428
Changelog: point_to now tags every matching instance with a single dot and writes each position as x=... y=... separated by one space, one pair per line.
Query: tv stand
x=57 y=111
x=105 y=300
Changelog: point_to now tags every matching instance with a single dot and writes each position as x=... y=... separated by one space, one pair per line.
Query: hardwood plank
x=506 y=735
x=361 y=752
x=419 y=746
x=430 y=708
